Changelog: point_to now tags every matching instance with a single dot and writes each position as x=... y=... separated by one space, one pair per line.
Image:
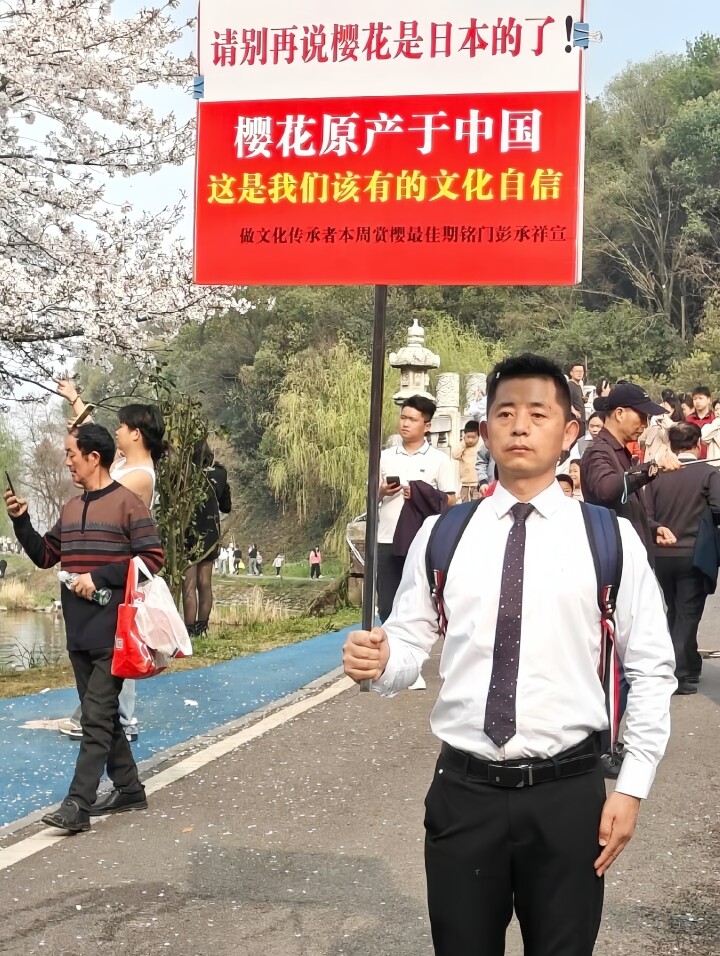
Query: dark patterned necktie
x=500 y=708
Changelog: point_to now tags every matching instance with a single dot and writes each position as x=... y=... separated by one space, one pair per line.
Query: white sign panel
x=261 y=51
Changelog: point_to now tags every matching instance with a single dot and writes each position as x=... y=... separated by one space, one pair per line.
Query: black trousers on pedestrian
x=684 y=589
x=490 y=849
x=389 y=574
x=103 y=743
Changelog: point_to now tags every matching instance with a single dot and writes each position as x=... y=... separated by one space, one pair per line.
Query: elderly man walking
x=95 y=537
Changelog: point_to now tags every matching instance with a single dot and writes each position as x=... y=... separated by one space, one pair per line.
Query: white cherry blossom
x=77 y=271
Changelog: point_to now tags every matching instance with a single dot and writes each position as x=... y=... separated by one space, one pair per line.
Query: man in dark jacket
x=678 y=502
x=424 y=501
x=608 y=474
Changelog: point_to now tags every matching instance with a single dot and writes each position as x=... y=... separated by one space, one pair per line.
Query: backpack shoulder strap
x=443 y=541
x=605 y=543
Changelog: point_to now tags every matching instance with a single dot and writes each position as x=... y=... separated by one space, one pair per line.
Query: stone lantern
x=414 y=362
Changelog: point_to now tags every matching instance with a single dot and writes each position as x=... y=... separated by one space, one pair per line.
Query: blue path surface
x=36 y=766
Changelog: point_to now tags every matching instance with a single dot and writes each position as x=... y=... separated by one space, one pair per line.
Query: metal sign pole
x=375 y=446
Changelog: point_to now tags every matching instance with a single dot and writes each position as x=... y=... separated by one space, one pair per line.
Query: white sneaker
x=69 y=727
x=419 y=684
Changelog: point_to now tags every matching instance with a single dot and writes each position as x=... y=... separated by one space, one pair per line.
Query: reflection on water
x=29 y=637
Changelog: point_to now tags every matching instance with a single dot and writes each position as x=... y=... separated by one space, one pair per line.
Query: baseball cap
x=632 y=396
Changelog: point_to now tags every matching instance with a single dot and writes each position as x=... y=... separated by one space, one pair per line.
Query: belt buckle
x=503 y=776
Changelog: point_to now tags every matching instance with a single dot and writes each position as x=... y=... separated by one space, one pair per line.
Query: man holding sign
x=517 y=817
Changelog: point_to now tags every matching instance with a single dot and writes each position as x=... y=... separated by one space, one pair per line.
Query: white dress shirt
x=426 y=464
x=560 y=699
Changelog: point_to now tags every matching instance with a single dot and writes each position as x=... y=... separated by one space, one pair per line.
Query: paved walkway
x=171 y=708
x=307 y=841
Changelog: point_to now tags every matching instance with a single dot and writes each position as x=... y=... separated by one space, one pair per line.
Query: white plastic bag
x=158 y=620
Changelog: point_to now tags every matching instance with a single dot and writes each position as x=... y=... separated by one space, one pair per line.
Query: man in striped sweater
x=97 y=534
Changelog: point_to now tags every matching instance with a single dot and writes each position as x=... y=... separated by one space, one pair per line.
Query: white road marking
x=50 y=836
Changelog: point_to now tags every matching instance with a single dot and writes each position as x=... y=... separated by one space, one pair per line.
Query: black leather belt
x=580 y=759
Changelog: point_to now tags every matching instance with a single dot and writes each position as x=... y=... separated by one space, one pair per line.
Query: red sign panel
x=435 y=188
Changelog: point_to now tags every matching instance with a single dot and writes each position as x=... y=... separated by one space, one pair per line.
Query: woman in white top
x=140 y=444
x=139 y=441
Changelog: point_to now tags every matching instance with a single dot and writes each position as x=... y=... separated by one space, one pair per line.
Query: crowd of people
x=231 y=560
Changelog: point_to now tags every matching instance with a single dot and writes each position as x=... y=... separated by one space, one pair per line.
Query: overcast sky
x=632 y=30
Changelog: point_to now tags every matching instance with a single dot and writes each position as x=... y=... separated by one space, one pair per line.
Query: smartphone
x=9 y=484
x=392 y=480
x=83 y=416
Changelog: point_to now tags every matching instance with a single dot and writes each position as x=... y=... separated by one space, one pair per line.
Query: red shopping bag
x=132 y=658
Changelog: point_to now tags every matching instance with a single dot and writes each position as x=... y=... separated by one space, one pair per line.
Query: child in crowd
x=466 y=453
x=566 y=483
x=574 y=472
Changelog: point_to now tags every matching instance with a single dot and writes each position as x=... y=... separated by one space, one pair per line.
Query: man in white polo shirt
x=413 y=460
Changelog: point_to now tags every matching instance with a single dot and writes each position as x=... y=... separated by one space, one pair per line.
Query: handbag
x=133 y=658
x=158 y=619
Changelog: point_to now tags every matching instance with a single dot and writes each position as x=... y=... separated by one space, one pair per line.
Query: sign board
x=386 y=143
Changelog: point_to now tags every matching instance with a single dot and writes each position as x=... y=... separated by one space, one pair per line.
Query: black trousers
x=103 y=741
x=489 y=850
x=684 y=590
x=389 y=575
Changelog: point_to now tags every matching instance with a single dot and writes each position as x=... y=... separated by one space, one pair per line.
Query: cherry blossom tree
x=77 y=270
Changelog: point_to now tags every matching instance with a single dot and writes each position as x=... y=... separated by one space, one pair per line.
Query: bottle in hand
x=101 y=596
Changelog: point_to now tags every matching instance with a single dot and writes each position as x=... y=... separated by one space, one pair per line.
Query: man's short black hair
x=530 y=366
x=564 y=479
x=94 y=437
x=426 y=406
x=573 y=365
x=472 y=426
x=701 y=390
x=684 y=437
x=597 y=414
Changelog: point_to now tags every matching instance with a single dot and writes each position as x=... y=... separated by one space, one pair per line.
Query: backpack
x=603 y=534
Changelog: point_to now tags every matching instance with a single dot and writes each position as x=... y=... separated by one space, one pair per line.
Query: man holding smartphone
x=97 y=534
x=413 y=460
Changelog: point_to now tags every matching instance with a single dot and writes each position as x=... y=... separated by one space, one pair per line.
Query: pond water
x=28 y=637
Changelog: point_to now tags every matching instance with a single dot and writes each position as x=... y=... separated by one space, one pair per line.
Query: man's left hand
x=665 y=538
x=84 y=586
x=16 y=507
x=670 y=462
x=617 y=825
